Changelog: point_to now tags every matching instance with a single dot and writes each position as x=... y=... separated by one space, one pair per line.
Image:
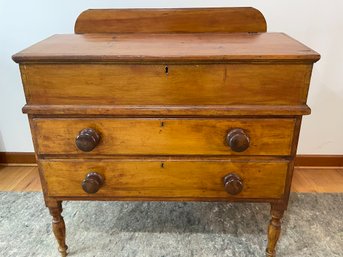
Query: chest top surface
x=168 y=47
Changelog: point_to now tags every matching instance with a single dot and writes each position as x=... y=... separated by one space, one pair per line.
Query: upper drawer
x=205 y=84
x=137 y=136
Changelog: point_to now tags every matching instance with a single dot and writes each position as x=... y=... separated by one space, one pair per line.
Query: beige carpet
x=313 y=227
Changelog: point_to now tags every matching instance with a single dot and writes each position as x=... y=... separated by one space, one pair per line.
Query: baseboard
x=19 y=158
x=308 y=160
x=313 y=160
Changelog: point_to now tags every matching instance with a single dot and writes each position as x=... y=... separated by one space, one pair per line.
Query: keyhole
x=166 y=69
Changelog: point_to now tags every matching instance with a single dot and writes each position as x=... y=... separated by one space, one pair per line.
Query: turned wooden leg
x=58 y=227
x=274 y=228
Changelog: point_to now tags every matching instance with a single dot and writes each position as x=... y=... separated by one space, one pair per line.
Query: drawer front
x=167 y=179
x=166 y=136
x=221 y=84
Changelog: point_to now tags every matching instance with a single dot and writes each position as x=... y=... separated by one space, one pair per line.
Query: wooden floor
x=328 y=180
x=19 y=178
x=319 y=180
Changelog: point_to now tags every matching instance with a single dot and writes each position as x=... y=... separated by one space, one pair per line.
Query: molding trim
x=316 y=160
x=306 y=160
x=9 y=158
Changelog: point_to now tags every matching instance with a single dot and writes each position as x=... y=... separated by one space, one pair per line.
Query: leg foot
x=274 y=229
x=58 y=227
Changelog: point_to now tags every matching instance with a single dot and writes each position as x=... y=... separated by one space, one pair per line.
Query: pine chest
x=167 y=104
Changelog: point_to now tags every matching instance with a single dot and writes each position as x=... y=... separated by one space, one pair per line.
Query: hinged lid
x=190 y=47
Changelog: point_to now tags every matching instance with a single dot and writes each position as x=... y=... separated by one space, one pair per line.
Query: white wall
x=318 y=24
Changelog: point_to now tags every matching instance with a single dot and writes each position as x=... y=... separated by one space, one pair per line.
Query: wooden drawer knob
x=92 y=183
x=238 y=140
x=87 y=139
x=233 y=184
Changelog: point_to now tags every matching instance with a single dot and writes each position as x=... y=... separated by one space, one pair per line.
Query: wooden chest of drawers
x=169 y=104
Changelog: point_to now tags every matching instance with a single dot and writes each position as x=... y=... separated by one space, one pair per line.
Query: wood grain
x=216 y=84
x=305 y=180
x=239 y=19
x=149 y=136
x=58 y=227
x=318 y=180
x=165 y=111
x=301 y=161
x=19 y=179
x=169 y=48
x=288 y=183
x=189 y=179
x=274 y=229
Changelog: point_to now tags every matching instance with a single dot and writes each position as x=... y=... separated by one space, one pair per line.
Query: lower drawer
x=163 y=179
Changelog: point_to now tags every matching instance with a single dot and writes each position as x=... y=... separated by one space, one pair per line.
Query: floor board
x=22 y=179
x=313 y=179
x=318 y=180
